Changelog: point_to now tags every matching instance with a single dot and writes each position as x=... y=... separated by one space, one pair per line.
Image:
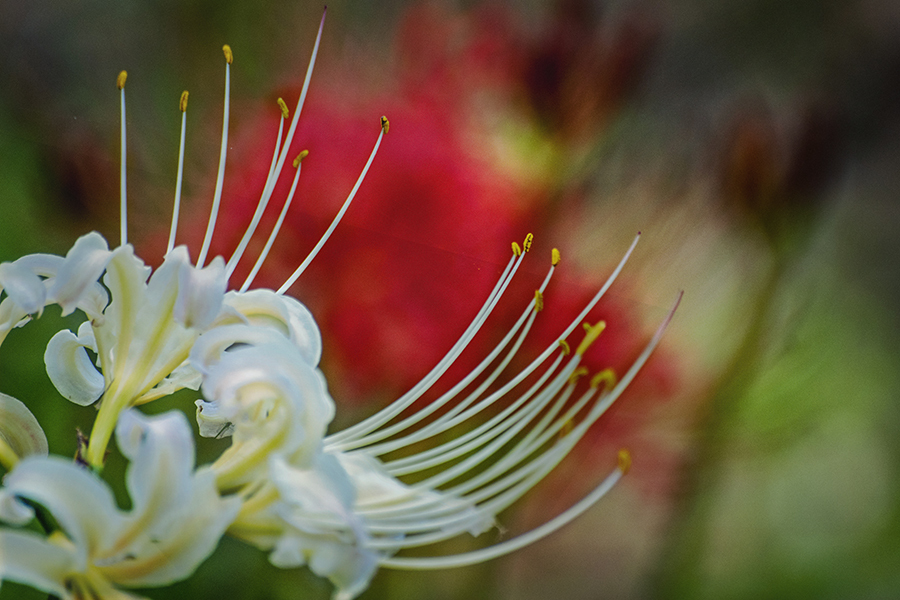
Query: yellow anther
x=284 y=109
x=586 y=326
x=229 y=57
x=300 y=158
x=385 y=124
x=182 y=104
x=624 y=460
x=578 y=374
x=567 y=428
x=517 y=249
x=590 y=337
x=120 y=80
x=538 y=301
x=606 y=377
x=566 y=350
x=555 y=257
x=527 y=243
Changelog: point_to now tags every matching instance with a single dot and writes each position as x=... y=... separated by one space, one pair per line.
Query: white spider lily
x=98 y=547
x=344 y=504
x=143 y=330
x=143 y=336
x=337 y=503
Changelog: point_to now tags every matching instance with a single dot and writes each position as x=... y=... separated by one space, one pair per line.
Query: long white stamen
x=395 y=408
x=497 y=550
x=436 y=524
x=275 y=170
x=277 y=228
x=578 y=319
x=182 y=105
x=342 y=438
x=447 y=420
x=337 y=219
x=478 y=436
x=123 y=188
x=264 y=199
x=223 y=154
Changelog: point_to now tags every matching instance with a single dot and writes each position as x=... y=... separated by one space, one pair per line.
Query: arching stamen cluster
x=492 y=461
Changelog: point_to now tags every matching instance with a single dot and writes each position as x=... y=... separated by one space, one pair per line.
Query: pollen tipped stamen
x=277 y=166
x=453 y=448
x=534 y=429
x=350 y=436
x=263 y=199
x=182 y=106
x=497 y=487
x=337 y=219
x=269 y=242
x=450 y=418
x=223 y=155
x=340 y=439
x=502 y=426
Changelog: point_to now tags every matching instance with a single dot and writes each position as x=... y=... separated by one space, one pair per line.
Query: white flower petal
x=200 y=291
x=183 y=377
x=13 y=510
x=274 y=376
x=31 y=560
x=211 y=346
x=23 y=286
x=178 y=516
x=11 y=315
x=304 y=330
x=80 y=501
x=324 y=532
x=161 y=451
x=211 y=421
x=20 y=429
x=79 y=271
x=283 y=313
x=71 y=369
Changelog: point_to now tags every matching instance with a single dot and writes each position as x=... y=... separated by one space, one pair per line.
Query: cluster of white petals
x=344 y=504
x=176 y=520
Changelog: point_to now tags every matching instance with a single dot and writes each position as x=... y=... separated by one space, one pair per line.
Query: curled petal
x=70 y=368
x=20 y=429
x=274 y=376
x=79 y=271
x=282 y=313
x=211 y=346
x=13 y=510
x=11 y=315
